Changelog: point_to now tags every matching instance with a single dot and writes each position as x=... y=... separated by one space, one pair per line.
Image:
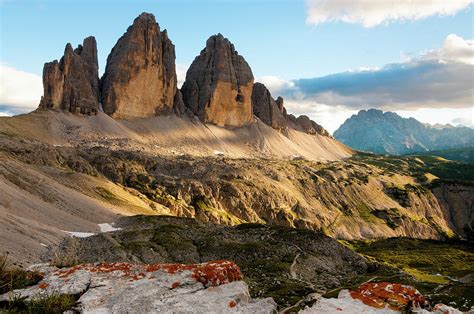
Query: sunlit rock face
x=218 y=86
x=140 y=75
x=72 y=84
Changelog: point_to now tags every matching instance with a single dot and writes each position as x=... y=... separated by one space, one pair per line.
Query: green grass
x=421 y=257
x=417 y=166
x=50 y=304
x=15 y=278
x=465 y=154
x=420 y=262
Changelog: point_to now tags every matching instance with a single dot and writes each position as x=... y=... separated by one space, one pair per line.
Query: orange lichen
x=175 y=285
x=393 y=295
x=232 y=303
x=43 y=285
x=209 y=274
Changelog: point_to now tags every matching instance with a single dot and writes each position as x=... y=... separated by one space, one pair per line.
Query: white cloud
x=181 y=70
x=274 y=83
x=435 y=87
x=455 y=49
x=371 y=13
x=441 y=78
x=19 y=89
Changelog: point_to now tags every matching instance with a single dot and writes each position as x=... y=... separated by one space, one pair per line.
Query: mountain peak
x=388 y=133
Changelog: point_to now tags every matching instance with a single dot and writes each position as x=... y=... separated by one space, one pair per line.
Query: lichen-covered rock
x=218 y=85
x=72 y=84
x=378 y=298
x=267 y=109
x=140 y=75
x=395 y=296
x=212 y=287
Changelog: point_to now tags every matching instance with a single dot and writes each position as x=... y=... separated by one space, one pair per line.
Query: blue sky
x=276 y=38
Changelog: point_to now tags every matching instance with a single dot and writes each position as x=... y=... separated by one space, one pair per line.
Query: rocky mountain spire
x=267 y=109
x=72 y=84
x=218 y=85
x=140 y=76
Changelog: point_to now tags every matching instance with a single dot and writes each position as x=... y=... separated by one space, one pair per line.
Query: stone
x=378 y=297
x=267 y=109
x=140 y=75
x=310 y=127
x=218 y=85
x=72 y=84
x=212 y=287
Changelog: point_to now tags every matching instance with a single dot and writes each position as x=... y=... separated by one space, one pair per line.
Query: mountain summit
x=388 y=133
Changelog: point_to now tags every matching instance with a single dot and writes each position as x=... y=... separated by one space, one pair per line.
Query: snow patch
x=218 y=153
x=106 y=227
x=42 y=244
x=79 y=234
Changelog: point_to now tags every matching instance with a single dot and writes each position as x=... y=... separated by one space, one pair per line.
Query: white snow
x=42 y=244
x=218 y=152
x=106 y=227
x=79 y=234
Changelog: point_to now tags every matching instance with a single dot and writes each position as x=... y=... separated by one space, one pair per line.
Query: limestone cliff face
x=267 y=109
x=72 y=84
x=140 y=76
x=218 y=85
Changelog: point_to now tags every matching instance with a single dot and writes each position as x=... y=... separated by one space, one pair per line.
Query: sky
x=328 y=59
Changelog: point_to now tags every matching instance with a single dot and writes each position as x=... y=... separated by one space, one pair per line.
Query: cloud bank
x=371 y=13
x=19 y=91
x=440 y=78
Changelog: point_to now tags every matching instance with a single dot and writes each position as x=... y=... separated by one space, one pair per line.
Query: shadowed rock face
x=140 y=76
x=72 y=84
x=218 y=85
x=267 y=109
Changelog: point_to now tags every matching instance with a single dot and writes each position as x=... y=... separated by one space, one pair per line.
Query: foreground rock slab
x=380 y=298
x=213 y=287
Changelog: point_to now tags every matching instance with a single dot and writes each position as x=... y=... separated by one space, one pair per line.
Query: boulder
x=218 y=85
x=267 y=109
x=212 y=287
x=140 y=75
x=378 y=297
x=72 y=84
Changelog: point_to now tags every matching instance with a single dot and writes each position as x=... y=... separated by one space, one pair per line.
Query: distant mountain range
x=387 y=133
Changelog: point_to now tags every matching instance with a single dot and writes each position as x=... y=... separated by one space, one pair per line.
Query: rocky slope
x=72 y=84
x=143 y=56
x=218 y=85
x=388 y=133
x=278 y=262
x=92 y=168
